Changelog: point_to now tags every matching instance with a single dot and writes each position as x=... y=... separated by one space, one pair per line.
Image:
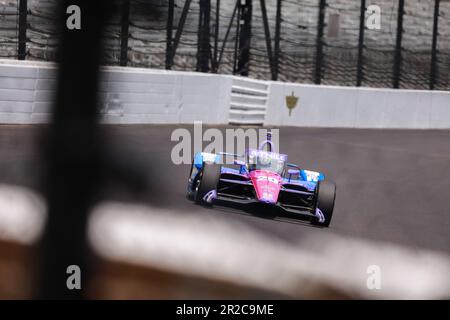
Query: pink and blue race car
x=262 y=178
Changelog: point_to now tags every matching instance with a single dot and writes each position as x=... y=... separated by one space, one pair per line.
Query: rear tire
x=326 y=195
x=208 y=179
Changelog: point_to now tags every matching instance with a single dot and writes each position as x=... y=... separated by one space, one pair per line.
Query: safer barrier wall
x=126 y=95
x=134 y=95
x=349 y=107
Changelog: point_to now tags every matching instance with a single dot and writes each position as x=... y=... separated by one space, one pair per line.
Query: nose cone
x=267 y=185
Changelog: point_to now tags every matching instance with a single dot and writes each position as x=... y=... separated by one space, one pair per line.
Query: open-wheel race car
x=263 y=178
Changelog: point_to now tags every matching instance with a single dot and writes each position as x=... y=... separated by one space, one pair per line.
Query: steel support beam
x=169 y=31
x=203 y=44
x=319 y=42
x=398 y=46
x=245 y=34
x=180 y=27
x=236 y=40
x=268 y=38
x=236 y=8
x=433 y=67
x=359 y=68
x=22 y=41
x=124 y=32
x=277 y=41
x=216 y=38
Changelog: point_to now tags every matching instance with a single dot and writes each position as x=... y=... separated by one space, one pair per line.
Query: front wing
x=305 y=211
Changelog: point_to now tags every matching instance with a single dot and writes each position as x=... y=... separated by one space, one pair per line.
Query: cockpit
x=265 y=160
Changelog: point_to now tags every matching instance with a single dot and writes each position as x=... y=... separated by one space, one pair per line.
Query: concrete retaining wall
x=133 y=95
x=349 y=107
x=127 y=95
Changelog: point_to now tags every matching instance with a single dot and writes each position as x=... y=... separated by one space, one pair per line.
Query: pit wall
x=134 y=95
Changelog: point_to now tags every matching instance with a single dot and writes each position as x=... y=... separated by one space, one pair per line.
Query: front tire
x=326 y=195
x=190 y=194
x=207 y=180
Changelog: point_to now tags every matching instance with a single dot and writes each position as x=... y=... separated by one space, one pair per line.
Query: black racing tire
x=326 y=195
x=190 y=191
x=208 y=179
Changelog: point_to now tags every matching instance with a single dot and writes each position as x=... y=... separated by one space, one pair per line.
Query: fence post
x=362 y=19
x=124 y=33
x=199 y=34
x=22 y=41
x=203 y=47
x=277 y=40
x=244 y=37
x=434 y=45
x=267 y=37
x=319 y=42
x=219 y=60
x=216 y=37
x=398 y=46
x=236 y=40
x=176 y=41
x=169 y=34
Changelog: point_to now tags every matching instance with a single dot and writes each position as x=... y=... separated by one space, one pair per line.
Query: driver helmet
x=264 y=158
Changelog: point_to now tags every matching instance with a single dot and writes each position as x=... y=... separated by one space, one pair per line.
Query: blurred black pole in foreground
x=73 y=161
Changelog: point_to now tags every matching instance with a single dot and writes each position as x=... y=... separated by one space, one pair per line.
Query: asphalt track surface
x=392 y=185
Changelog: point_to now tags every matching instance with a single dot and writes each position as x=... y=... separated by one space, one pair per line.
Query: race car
x=263 y=178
